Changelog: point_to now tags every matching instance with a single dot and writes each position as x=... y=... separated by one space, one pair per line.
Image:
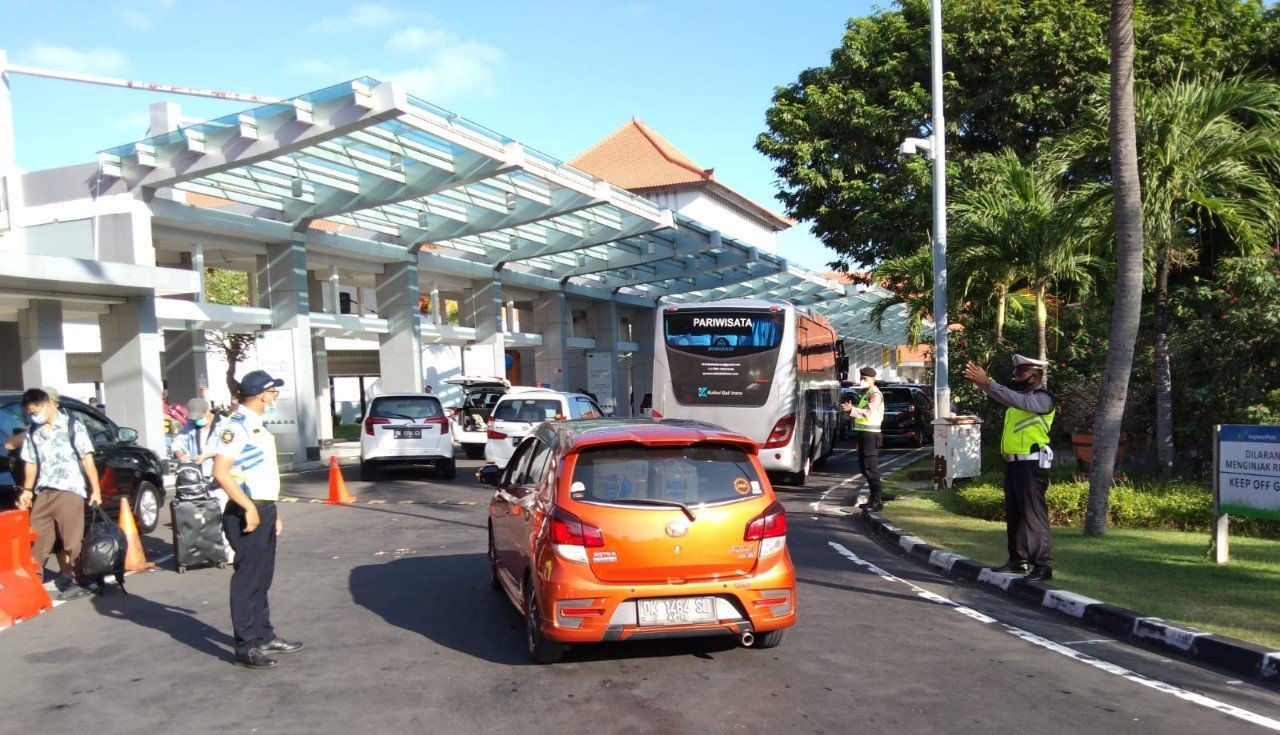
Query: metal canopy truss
x=362 y=170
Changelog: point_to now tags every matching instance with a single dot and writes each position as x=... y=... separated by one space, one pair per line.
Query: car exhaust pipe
x=747 y=639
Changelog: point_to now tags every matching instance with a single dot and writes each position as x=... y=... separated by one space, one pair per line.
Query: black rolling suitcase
x=197 y=522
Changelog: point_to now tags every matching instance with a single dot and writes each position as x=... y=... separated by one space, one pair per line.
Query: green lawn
x=346 y=431
x=1167 y=574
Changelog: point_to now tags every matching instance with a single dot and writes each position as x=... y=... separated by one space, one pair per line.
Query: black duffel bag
x=103 y=551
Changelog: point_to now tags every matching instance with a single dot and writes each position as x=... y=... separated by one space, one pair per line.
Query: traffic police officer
x=868 y=415
x=1028 y=416
x=245 y=468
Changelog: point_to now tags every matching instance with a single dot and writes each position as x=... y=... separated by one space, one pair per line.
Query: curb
x=1236 y=656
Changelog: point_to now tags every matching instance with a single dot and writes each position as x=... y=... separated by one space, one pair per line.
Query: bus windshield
x=723 y=334
x=722 y=357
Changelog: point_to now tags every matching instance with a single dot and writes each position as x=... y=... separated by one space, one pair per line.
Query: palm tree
x=1018 y=224
x=1209 y=149
x=909 y=278
x=1123 y=145
x=1209 y=152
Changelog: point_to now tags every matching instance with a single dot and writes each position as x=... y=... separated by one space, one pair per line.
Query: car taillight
x=440 y=421
x=772 y=523
x=910 y=412
x=655 y=414
x=782 y=431
x=372 y=422
x=572 y=537
x=494 y=434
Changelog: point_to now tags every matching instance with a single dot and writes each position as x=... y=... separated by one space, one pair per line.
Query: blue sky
x=556 y=76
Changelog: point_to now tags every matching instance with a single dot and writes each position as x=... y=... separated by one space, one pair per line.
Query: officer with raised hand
x=1024 y=444
x=245 y=468
x=868 y=416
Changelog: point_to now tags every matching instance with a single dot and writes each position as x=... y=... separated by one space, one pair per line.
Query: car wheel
x=447 y=468
x=474 y=451
x=493 y=562
x=770 y=639
x=541 y=649
x=146 y=507
x=367 y=471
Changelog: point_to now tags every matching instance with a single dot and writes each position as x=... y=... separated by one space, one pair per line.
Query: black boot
x=1040 y=574
x=255 y=659
x=1012 y=567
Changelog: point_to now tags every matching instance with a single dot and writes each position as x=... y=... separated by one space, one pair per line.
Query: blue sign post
x=1246 y=478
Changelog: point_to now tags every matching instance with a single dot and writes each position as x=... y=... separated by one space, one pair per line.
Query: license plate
x=408 y=433
x=677 y=610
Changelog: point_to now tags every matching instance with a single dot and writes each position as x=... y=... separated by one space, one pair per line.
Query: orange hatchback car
x=617 y=529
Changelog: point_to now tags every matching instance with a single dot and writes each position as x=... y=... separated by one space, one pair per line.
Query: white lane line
x=890 y=464
x=1084 y=658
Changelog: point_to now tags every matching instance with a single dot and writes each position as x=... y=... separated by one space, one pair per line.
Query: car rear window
x=484 y=398
x=896 y=396
x=529 y=410
x=406 y=407
x=11 y=417
x=689 y=475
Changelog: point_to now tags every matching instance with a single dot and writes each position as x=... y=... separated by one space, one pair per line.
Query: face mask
x=36 y=418
x=202 y=422
x=1020 y=385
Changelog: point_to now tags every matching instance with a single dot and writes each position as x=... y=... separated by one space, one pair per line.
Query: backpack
x=103 y=551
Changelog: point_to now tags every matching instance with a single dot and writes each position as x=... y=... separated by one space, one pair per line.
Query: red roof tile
x=635 y=156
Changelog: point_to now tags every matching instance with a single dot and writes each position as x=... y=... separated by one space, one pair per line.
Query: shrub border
x=1233 y=655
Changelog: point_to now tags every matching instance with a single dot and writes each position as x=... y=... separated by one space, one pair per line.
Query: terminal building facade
x=383 y=244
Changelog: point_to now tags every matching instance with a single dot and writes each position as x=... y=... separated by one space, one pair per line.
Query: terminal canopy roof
x=364 y=163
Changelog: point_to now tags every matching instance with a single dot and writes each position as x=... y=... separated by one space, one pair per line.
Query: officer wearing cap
x=1028 y=416
x=868 y=415
x=245 y=467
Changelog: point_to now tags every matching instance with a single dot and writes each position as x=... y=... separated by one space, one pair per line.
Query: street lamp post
x=935 y=147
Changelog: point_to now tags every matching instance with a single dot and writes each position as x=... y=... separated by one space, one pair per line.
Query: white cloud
x=449 y=66
x=365 y=16
x=100 y=60
x=416 y=39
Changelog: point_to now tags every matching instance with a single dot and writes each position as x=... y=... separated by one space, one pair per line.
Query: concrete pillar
x=44 y=358
x=603 y=375
x=400 y=349
x=551 y=358
x=437 y=306
x=488 y=354
x=282 y=284
x=186 y=367
x=131 y=344
x=320 y=363
x=335 y=291
x=10 y=344
x=643 y=325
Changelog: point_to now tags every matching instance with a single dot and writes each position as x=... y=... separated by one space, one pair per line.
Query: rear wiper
x=664 y=503
x=394 y=415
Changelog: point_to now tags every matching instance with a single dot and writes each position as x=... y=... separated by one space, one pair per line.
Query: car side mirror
x=125 y=435
x=490 y=474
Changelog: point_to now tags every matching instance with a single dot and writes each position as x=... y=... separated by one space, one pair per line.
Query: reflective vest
x=1022 y=429
x=872 y=422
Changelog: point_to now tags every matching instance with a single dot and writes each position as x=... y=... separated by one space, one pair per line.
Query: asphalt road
x=405 y=635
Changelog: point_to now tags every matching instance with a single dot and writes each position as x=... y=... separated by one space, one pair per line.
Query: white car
x=518 y=412
x=406 y=428
x=470 y=420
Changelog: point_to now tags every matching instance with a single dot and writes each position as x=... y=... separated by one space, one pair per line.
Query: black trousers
x=255 y=565
x=1026 y=514
x=869 y=459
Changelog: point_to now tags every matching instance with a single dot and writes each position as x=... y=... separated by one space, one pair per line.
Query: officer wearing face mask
x=868 y=415
x=245 y=468
x=1024 y=444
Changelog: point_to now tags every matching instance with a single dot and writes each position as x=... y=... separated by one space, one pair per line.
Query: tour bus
x=761 y=367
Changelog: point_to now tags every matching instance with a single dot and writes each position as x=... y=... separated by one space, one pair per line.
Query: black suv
x=125 y=468
x=908 y=414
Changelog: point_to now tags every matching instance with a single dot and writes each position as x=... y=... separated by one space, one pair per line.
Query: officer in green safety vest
x=868 y=415
x=1024 y=444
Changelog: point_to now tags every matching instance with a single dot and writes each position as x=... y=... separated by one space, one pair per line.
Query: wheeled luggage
x=197 y=522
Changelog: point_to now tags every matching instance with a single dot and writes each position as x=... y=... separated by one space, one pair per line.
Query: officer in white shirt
x=245 y=467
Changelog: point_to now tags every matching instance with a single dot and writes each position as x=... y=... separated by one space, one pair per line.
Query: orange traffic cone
x=135 y=559
x=338 y=494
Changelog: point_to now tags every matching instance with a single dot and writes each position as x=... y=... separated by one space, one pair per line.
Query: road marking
x=892 y=463
x=1084 y=658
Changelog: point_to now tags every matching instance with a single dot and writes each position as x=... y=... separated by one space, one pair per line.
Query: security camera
x=912 y=146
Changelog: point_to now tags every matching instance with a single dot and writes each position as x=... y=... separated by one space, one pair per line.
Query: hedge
x=1173 y=506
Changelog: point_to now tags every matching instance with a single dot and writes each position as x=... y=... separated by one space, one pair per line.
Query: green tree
x=1015 y=223
x=1209 y=151
x=231 y=288
x=1016 y=72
